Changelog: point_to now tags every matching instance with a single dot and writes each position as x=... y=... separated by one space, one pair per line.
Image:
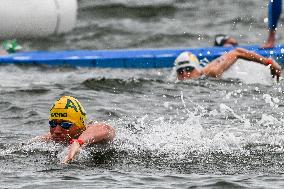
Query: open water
x=205 y=133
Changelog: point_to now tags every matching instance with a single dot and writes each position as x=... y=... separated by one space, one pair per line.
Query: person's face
x=230 y=42
x=63 y=131
x=188 y=73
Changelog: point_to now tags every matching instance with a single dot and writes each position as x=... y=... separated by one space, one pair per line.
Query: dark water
x=112 y=24
x=206 y=133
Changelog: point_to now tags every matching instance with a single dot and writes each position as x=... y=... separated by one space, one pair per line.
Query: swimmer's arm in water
x=218 y=66
x=94 y=134
x=45 y=138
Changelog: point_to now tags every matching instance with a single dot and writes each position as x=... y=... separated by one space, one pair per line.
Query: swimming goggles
x=186 y=69
x=64 y=124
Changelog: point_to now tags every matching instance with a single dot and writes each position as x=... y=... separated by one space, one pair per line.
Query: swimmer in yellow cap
x=188 y=66
x=67 y=121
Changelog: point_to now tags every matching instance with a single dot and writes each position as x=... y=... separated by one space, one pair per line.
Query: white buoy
x=36 y=18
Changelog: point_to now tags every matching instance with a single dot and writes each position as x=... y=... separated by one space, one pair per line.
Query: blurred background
x=116 y=24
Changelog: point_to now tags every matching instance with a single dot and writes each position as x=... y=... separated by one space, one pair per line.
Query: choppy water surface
x=204 y=133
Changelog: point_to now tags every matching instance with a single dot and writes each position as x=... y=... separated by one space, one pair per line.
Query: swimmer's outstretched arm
x=94 y=134
x=218 y=66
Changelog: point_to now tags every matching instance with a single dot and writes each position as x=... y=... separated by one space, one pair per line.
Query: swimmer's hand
x=275 y=70
x=74 y=149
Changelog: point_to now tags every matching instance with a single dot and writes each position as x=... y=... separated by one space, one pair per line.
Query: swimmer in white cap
x=187 y=65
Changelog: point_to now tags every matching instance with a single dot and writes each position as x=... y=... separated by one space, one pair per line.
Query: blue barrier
x=126 y=58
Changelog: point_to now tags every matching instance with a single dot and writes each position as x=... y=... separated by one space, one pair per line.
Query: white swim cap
x=186 y=59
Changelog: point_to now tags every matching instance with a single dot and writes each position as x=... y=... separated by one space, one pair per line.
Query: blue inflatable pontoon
x=126 y=58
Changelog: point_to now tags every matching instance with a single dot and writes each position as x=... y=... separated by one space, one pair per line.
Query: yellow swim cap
x=70 y=109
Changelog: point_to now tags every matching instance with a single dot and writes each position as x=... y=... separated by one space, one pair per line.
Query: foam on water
x=249 y=73
x=177 y=138
x=203 y=126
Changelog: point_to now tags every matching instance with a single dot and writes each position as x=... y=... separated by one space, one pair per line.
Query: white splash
x=249 y=72
x=273 y=102
x=224 y=108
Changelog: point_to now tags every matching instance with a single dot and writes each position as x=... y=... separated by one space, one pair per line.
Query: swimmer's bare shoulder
x=98 y=133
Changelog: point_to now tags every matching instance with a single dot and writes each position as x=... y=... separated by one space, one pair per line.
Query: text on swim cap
x=58 y=114
x=70 y=104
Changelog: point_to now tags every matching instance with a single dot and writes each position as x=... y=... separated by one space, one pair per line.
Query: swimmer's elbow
x=107 y=133
x=110 y=133
x=241 y=50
